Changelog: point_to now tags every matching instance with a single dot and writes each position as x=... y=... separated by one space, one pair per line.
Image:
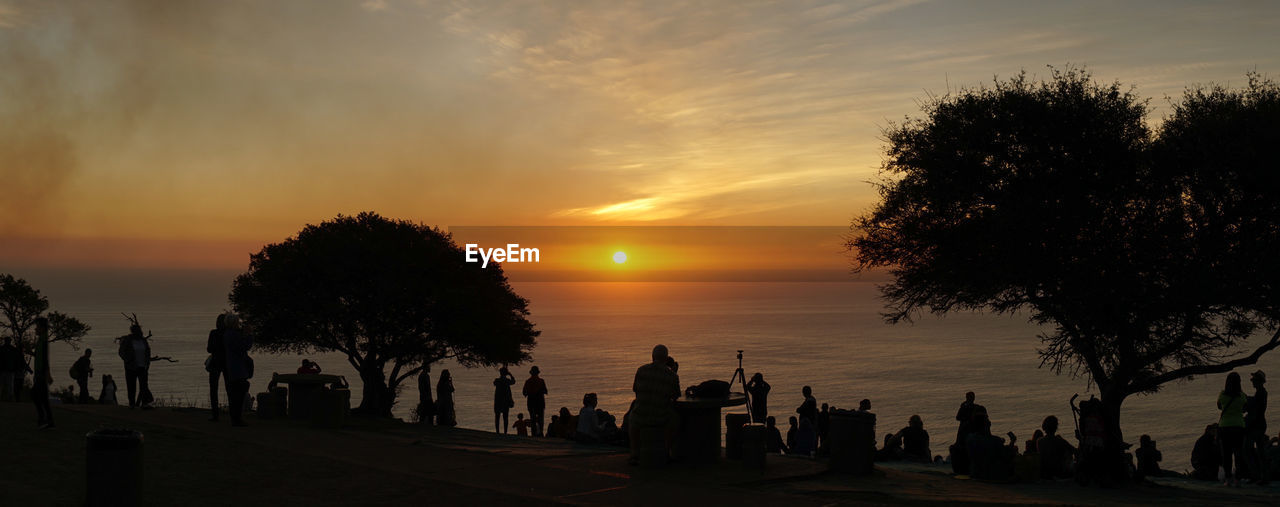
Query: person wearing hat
x=535 y=389
x=1255 y=425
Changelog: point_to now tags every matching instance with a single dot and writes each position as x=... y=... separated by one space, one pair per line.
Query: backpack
x=709 y=389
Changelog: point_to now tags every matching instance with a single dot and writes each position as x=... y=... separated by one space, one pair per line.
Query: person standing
x=239 y=366
x=502 y=398
x=759 y=390
x=426 y=406
x=10 y=365
x=445 y=415
x=960 y=451
x=43 y=376
x=808 y=409
x=535 y=389
x=1231 y=428
x=657 y=386
x=81 y=370
x=216 y=365
x=135 y=351
x=1255 y=427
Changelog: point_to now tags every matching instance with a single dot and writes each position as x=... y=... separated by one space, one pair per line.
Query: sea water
x=830 y=336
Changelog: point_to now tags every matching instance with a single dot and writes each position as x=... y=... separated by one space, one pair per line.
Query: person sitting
x=521 y=425
x=588 y=428
x=806 y=438
x=773 y=437
x=864 y=405
x=309 y=367
x=1056 y=454
x=553 y=429
x=1031 y=444
x=915 y=440
x=1206 y=456
x=892 y=449
x=1149 y=459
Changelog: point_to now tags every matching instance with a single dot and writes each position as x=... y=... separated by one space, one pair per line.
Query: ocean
x=829 y=336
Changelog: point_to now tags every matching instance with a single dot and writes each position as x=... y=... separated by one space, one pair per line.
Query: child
x=521 y=425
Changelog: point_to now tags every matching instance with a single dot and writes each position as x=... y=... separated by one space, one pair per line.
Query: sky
x=187 y=134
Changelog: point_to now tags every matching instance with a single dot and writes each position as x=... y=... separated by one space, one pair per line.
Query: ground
x=190 y=461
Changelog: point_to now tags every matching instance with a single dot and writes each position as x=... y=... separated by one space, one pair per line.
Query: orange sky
x=153 y=134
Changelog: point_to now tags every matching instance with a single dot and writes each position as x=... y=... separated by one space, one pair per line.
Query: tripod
x=740 y=377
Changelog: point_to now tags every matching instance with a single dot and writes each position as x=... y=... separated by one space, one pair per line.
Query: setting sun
x=619 y=257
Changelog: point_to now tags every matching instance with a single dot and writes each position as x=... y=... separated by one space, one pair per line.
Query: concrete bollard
x=113 y=468
x=853 y=441
x=733 y=434
x=754 y=442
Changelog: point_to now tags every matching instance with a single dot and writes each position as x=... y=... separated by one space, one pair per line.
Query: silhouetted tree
x=385 y=293
x=1150 y=257
x=21 y=304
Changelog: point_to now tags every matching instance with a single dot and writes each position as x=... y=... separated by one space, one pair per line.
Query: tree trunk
x=376 y=400
x=1112 y=399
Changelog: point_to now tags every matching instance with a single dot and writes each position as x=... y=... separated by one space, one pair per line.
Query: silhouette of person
x=864 y=405
x=135 y=351
x=81 y=371
x=792 y=422
x=42 y=376
x=502 y=399
x=589 y=427
x=216 y=365
x=808 y=409
x=1255 y=425
x=10 y=366
x=237 y=342
x=444 y=401
x=990 y=458
x=1206 y=456
x=773 y=437
x=426 y=406
x=824 y=426
x=535 y=391
x=1149 y=458
x=1231 y=401
x=521 y=425
x=915 y=440
x=759 y=391
x=1056 y=454
x=657 y=386
x=1031 y=444
x=309 y=367
x=960 y=450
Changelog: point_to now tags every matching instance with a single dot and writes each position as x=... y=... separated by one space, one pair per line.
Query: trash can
x=113 y=468
x=754 y=443
x=853 y=441
x=733 y=434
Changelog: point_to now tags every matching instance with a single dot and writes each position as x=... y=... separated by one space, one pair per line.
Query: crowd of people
x=1235 y=449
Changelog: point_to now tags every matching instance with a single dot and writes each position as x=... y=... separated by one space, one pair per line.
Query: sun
x=619 y=257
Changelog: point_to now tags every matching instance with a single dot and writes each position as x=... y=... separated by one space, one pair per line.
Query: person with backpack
x=81 y=370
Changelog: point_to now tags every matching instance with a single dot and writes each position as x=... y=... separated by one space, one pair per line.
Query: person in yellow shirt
x=1231 y=428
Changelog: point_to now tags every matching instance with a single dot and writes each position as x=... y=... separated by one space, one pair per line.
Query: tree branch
x=1206 y=369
